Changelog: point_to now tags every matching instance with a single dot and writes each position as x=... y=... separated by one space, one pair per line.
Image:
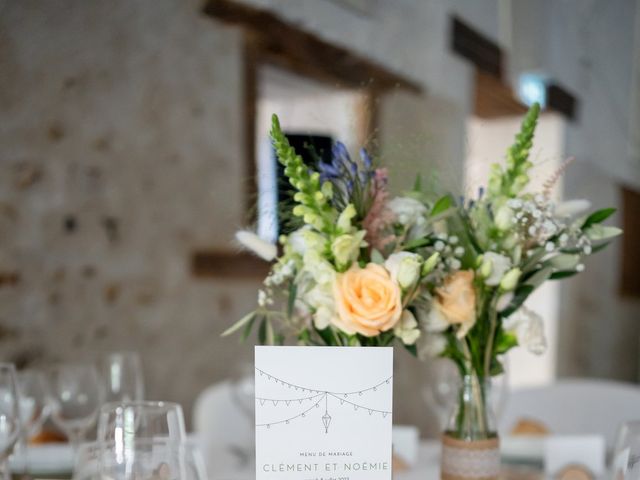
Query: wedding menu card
x=323 y=413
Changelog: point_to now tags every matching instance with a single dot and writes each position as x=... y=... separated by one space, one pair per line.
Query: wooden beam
x=288 y=46
x=494 y=99
x=226 y=265
x=561 y=100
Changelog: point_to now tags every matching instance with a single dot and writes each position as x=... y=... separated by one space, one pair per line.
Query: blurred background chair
x=575 y=406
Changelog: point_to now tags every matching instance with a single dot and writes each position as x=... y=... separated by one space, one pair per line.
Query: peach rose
x=456 y=300
x=367 y=301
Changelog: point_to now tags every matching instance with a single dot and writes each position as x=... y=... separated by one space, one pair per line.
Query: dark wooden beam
x=226 y=265
x=467 y=42
x=561 y=100
x=283 y=44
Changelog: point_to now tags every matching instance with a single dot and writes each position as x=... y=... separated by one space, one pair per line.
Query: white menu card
x=323 y=413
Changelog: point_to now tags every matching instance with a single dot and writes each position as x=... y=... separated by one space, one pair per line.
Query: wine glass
x=77 y=395
x=626 y=457
x=123 y=374
x=9 y=416
x=442 y=391
x=124 y=422
x=35 y=407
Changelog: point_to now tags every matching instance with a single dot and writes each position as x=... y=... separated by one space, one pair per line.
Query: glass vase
x=470 y=444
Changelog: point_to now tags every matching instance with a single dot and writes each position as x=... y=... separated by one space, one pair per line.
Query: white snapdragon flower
x=251 y=241
x=346 y=247
x=319 y=268
x=408 y=211
x=528 y=328
x=320 y=298
x=404 y=268
x=407 y=328
x=305 y=239
x=493 y=268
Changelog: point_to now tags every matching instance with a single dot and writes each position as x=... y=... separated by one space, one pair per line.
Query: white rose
x=407 y=328
x=528 y=328
x=431 y=345
x=404 y=268
x=493 y=267
x=408 y=211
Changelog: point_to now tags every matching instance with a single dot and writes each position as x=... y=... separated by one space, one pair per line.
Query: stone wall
x=120 y=154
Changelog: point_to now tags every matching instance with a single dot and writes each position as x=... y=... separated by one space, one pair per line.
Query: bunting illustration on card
x=323 y=409
x=318 y=399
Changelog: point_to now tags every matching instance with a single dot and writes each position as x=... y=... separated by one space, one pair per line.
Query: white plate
x=522 y=448
x=52 y=459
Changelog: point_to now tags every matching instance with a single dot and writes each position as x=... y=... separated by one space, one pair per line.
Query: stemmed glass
x=35 y=406
x=442 y=391
x=9 y=416
x=77 y=396
x=123 y=374
x=626 y=457
x=122 y=422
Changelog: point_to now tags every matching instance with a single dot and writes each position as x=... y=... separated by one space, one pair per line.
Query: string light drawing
x=318 y=397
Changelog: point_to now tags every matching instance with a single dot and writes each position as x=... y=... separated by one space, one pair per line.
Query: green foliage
x=510 y=180
x=442 y=205
x=313 y=200
x=598 y=217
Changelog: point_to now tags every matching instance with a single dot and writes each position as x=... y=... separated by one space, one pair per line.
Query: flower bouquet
x=443 y=277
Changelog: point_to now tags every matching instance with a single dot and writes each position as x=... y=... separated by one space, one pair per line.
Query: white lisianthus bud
x=504 y=218
x=572 y=208
x=407 y=328
x=510 y=280
x=344 y=220
x=265 y=250
x=493 y=268
x=430 y=263
x=504 y=300
x=346 y=248
x=404 y=268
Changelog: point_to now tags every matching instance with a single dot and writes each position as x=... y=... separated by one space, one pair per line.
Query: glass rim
x=158 y=404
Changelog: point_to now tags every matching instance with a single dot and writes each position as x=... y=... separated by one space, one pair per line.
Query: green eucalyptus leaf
x=443 y=204
x=563 y=274
x=249 y=317
x=262 y=331
x=598 y=217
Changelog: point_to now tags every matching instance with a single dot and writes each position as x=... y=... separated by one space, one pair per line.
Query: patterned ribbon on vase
x=470 y=460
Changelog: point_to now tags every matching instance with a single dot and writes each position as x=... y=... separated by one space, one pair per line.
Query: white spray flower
x=408 y=211
x=407 y=328
x=528 y=328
